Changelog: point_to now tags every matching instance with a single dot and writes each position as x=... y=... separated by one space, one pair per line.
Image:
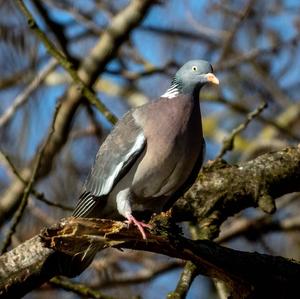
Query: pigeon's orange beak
x=210 y=77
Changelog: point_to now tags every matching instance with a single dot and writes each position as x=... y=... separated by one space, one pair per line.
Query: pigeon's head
x=193 y=75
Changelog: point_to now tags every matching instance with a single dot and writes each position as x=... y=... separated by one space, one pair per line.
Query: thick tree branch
x=221 y=190
x=24 y=268
x=277 y=277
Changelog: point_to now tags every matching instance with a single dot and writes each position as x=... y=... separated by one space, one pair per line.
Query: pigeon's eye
x=194 y=68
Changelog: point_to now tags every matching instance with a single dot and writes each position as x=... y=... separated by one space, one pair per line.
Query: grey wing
x=117 y=154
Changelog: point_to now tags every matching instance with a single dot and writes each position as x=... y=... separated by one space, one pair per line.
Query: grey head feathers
x=190 y=78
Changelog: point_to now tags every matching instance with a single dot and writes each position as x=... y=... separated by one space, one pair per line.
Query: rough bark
x=247 y=275
x=24 y=268
x=222 y=190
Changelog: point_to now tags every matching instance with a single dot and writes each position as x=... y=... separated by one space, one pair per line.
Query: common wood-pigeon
x=153 y=154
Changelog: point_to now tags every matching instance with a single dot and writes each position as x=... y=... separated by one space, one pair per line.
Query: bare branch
x=78 y=288
x=19 y=212
x=228 y=142
x=261 y=225
x=67 y=65
x=222 y=190
x=40 y=196
x=187 y=277
x=231 y=35
x=92 y=66
x=240 y=108
x=24 y=95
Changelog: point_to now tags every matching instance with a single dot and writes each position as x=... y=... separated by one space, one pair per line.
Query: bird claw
x=139 y=224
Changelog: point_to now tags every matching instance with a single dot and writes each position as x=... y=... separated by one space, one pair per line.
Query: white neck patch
x=172 y=92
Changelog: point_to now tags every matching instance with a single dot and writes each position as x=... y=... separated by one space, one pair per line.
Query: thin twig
x=252 y=54
x=24 y=95
x=262 y=224
x=66 y=64
x=147 y=273
x=11 y=165
x=269 y=84
x=244 y=110
x=82 y=18
x=188 y=274
x=40 y=196
x=20 y=211
x=229 y=141
x=78 y=288
x=237 y=25
x=185 y=281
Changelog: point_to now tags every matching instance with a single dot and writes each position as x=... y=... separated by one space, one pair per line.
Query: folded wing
x=115 y=157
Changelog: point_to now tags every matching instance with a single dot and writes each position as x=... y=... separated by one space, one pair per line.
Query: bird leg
x=123 y=200
x=139 y=224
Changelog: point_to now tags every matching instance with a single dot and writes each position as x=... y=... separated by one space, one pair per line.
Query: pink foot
x=140 y=225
